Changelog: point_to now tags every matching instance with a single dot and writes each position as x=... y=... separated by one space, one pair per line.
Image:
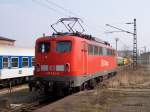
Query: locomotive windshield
x=63 y=46
x=44 y=47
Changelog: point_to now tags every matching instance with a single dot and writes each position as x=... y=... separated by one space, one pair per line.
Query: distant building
x=145 y=58
x=6 y=41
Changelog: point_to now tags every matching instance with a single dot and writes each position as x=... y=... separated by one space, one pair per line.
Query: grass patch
x=128 y=77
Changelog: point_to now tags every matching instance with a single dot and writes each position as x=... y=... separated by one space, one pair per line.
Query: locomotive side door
x=84 y=57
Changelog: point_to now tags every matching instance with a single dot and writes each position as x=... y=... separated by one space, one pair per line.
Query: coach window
x=14 y=62
x=25 y=62
x=95 y=50
x=44 y=47
x=5 y=62
x=63 y=46
x=90 y=49
x=33 y=61
x=100 y=51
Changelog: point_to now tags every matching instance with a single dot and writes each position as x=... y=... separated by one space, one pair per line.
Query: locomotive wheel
x=76 y=89
x=92 y=83
x=85 y=86
x=101 y=79
x=114 y=73
x=67 y=91
x=109 y=75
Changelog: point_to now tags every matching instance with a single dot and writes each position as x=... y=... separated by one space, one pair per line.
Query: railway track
x=41 y=101
x=13 y=89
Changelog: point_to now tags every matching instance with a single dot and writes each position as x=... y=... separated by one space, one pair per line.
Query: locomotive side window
x=25 y=62
x=104 y=51
x=108 y=52
x=100 y=51
x=96 y=50
x=111 y=52
x=5 y=62
x=90 y=49
x=63 y=46
x=44 y=47
x=14 y=62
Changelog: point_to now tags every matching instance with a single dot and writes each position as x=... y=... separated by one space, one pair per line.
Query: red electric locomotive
x=68 y=61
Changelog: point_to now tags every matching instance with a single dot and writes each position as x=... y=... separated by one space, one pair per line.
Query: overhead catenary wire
x=70 y=13
x=73 y=13
x=60 y=7
x=48 y=7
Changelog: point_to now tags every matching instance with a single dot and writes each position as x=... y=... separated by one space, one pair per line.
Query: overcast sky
x=26 y=20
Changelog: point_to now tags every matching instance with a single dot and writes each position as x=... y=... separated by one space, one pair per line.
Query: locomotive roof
x=16 y=51
x=80 y=35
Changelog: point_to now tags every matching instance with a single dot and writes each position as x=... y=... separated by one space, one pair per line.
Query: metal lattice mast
x=135 y=46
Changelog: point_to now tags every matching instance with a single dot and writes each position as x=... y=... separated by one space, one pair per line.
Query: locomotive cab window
x=25 y=62
x=63 y=46
x=5 y=62
x=14 y=62
x=44 y=47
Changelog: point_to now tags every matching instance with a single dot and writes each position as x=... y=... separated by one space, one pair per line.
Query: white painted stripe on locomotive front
x=60 y=68
x=44 y=67
x=16 y=72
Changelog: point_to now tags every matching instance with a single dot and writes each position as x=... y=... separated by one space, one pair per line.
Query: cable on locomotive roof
x=69 y=24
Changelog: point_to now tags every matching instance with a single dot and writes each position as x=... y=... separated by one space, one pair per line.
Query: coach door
x=84 y=57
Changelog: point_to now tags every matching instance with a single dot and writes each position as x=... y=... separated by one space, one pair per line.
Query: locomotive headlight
x=67 y=67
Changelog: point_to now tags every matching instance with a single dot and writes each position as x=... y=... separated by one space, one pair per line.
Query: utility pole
x=135 y=55
x=144 y=49
x=116 y=42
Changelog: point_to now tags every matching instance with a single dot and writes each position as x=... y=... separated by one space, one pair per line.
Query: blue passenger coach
x=16 y=65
